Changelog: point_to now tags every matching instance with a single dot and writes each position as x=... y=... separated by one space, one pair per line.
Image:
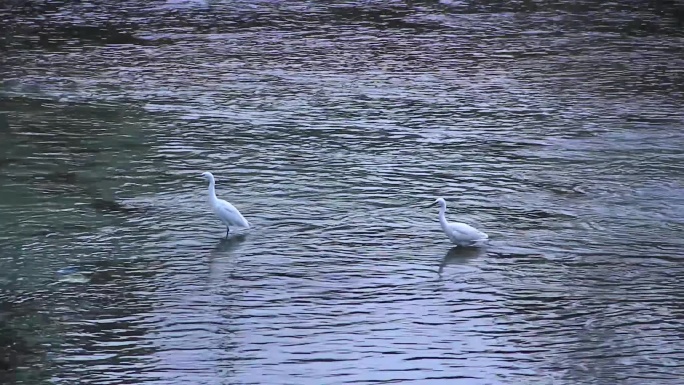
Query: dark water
x=557 y=128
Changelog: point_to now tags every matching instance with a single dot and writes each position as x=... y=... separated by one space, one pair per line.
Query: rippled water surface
x=556 y=128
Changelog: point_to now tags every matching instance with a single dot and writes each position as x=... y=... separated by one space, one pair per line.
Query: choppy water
x=556 y=129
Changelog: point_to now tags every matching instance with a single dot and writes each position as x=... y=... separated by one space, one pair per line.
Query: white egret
x=459 y=234
x=227 y=213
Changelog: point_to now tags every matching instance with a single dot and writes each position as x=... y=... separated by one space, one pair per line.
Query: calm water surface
x=557 y=129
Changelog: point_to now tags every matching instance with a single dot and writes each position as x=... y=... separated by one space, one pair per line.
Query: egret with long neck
x=458 y=233
x=226 y=212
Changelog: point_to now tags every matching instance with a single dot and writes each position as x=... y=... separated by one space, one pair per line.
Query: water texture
x=555 y=127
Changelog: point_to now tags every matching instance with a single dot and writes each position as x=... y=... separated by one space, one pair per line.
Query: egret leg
x=227 y=231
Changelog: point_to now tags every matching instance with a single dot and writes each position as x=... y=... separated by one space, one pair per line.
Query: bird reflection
x=231 y=243
x=460 y=255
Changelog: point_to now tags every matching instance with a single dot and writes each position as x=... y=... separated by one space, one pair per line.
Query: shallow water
x=556 y=129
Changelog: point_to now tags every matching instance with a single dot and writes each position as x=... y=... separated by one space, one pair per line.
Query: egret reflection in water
x=461 y=255
x=231 y=243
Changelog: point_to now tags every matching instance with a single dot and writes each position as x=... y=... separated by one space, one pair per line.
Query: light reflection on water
x=331 y=130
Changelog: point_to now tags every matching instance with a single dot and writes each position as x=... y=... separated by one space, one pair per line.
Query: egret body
x=458 y=233
x=226 y=212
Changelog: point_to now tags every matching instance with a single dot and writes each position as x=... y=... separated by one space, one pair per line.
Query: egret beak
x=431 y=204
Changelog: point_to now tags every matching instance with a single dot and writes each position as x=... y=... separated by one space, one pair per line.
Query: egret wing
x=466 y=232
x=230 y=215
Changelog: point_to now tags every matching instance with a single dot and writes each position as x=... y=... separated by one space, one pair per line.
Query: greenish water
x=555 y=128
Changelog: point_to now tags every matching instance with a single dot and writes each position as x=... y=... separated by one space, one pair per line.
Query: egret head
x=208 y=176
x=439 y=201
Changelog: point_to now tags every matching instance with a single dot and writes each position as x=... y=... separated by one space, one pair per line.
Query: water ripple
x=554 y=128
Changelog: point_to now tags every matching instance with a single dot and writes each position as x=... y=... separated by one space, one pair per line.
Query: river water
x=556 y=128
